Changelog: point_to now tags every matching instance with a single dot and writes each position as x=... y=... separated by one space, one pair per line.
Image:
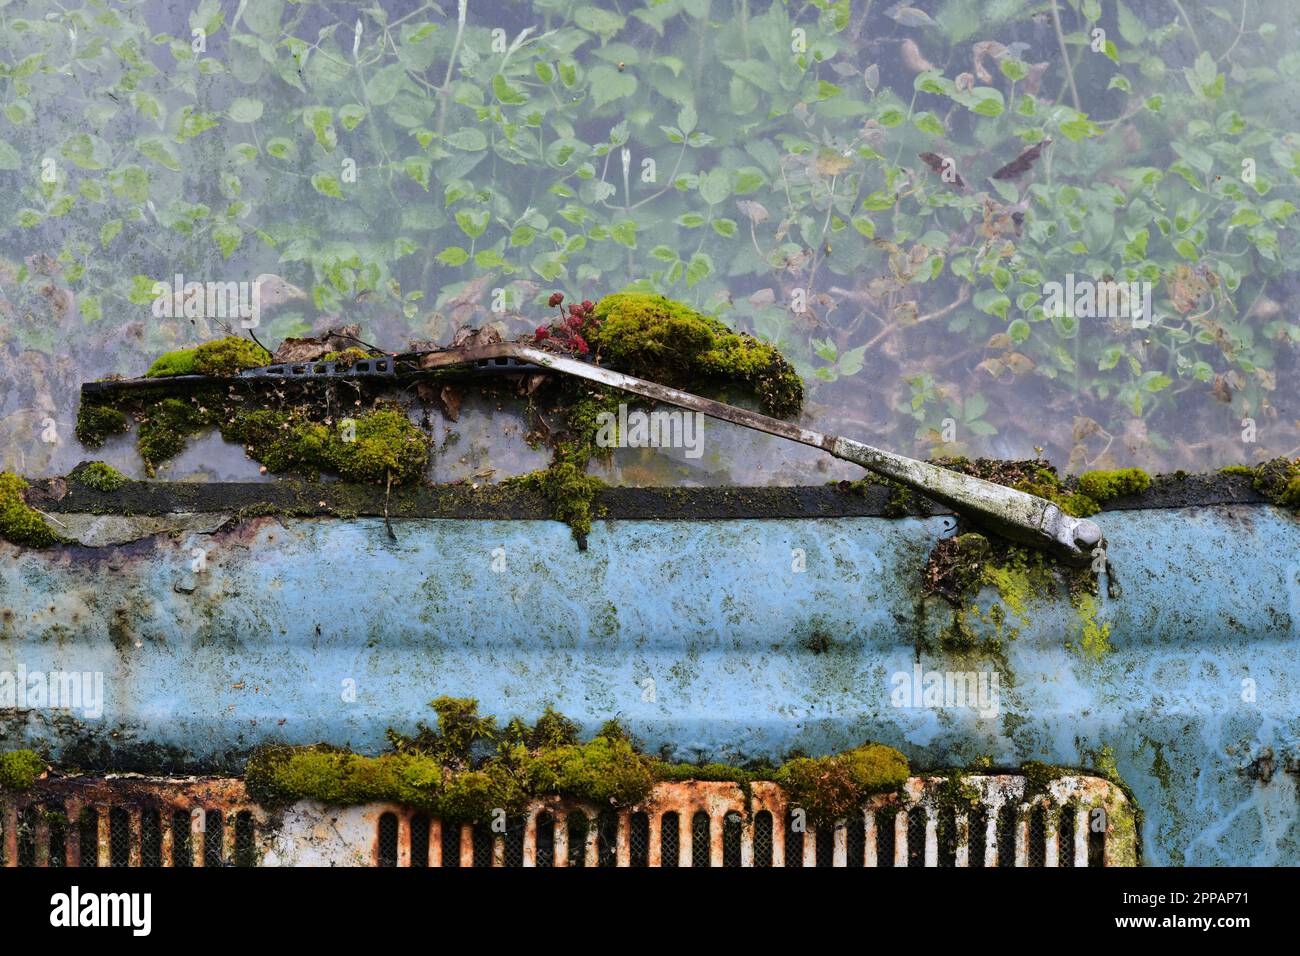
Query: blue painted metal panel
x=702 y=637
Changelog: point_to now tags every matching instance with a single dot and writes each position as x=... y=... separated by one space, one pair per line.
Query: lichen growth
x=959 y=568
x=223 y=357
x=1094 y=635
x=829 y=788
x=1039 y=778
x=657 y=338
x=101 y=477
x=19 y=769
x=96 y=422
x=19 y=523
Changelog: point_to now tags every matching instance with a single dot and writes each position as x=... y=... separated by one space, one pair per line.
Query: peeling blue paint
x=701 y=637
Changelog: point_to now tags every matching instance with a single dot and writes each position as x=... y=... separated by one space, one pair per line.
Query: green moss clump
x=96 y=422
x=384 y=442
x=720 y=772
x=439 y=770
x=1046 y=484
x=277 y=775
x=19 y=769
x=387 y=443
x=225 y=357
x=1279 y=481
x=349 y=356
x=179 y=362
x=466 y=768
x=1034 y=476
x=605 y=770
x=830 y=788
x=570 y=490
x=101 y=477
x=1101 y=486
x=20 y=523
x=165 y=429
x=654 y=337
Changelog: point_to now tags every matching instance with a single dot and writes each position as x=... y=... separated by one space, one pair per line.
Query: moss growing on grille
x=467 y=767
x=438 y=770
x=830 y=788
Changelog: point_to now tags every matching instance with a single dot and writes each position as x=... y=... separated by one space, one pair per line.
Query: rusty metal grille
x=388 y=840
x=1008 y=820
x=825 y=848
x=947 y=826
x=607 y=838
x=27 y=824
x=545 y=839
x=638 y=840
x=419 y=841
x=1096 y=838
x=113 y=821
x=793 y=840
x=214 y=838
x=670 y=826
x=1036 y=851
x=56 y=818
x=182 y=848
x=916 y=824
x=855 y=841
x=150 y=837
x=763 y=839
x=731 y=831
x=484 y=844
x=245 y=842
x=700 y=839
x=514 y=841
x=977 y=827
x=885 y=836
x=88 y=837
x=1065 y=834
x=451 y=844
x=119 y=837
x=577 y=831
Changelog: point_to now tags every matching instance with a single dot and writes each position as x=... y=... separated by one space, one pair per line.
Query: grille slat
x=142 y=822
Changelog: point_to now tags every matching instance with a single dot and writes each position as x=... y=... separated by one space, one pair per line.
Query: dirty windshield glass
x=972 y=228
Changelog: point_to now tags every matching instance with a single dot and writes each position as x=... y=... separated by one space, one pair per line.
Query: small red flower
x=555 y=299
x=581 y=345
x=542 y=332
x=588 y=306
x=575 y=322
